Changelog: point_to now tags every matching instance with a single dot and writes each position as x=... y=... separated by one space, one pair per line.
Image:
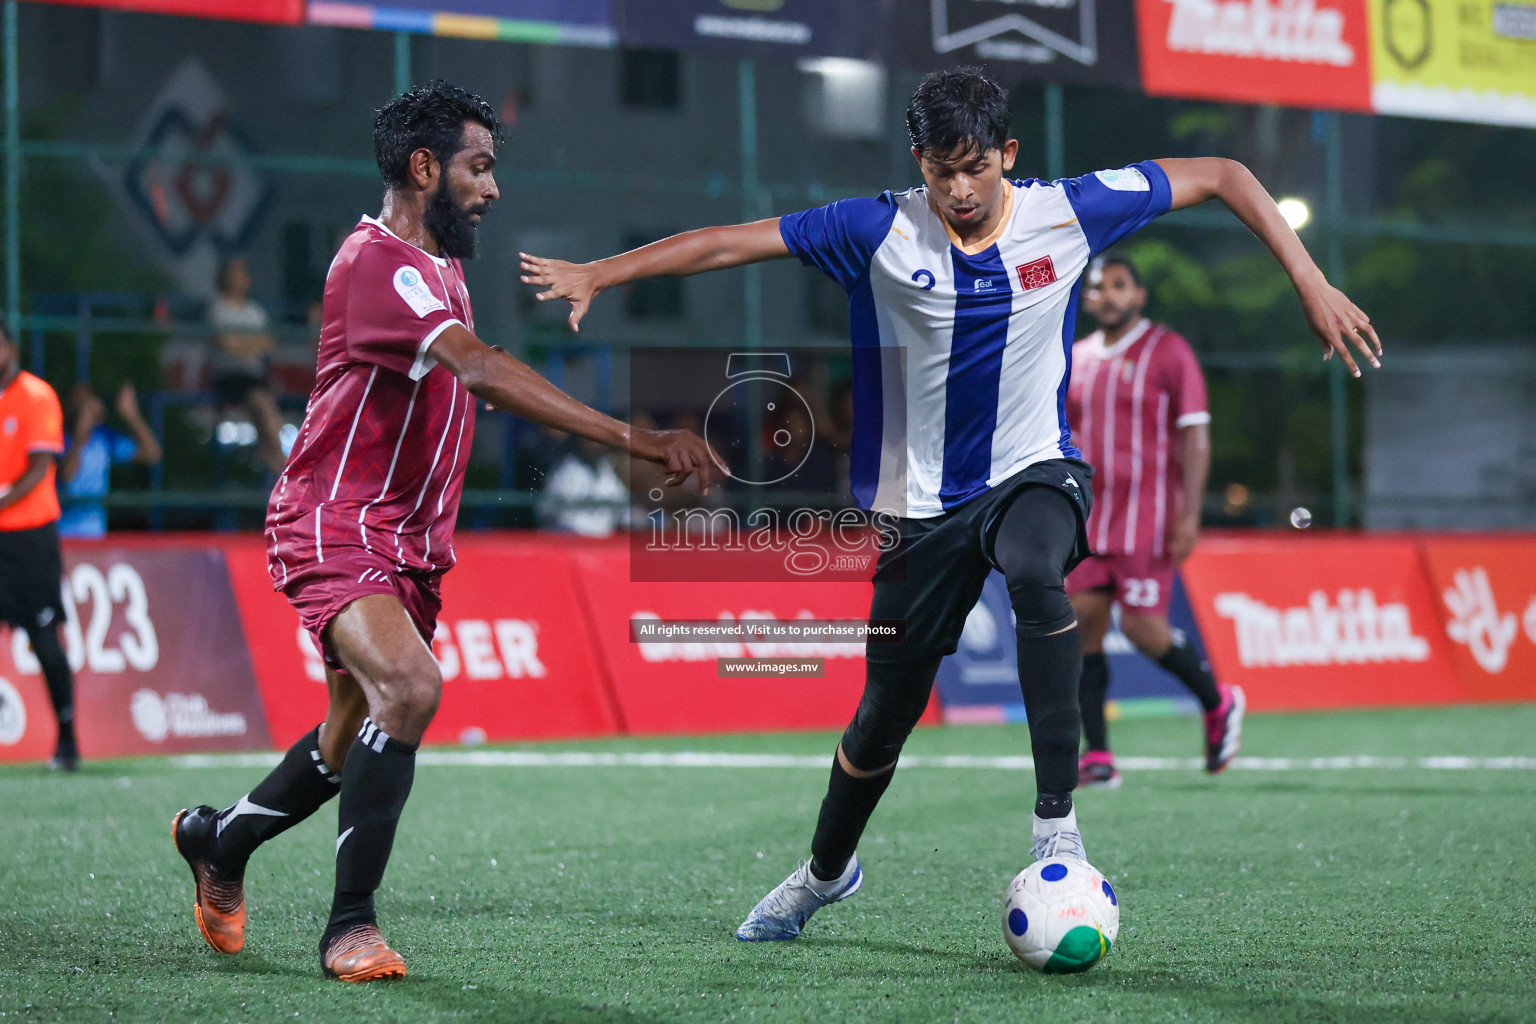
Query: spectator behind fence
x=583 y=493
x=91 y=449
x=242 y=342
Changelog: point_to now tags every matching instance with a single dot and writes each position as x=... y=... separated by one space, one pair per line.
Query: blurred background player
x=91 y=449
x=973 y=277
x=31 y=440
x=1138 y=408
x=242 y=343
x=360 y=526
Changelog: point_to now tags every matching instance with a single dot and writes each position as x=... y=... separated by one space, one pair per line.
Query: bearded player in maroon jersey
x=360 y=526
x=1138 y=403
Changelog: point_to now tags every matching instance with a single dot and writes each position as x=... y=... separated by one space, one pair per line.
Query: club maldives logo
x=1303 y=31
x=1352 y=630
x=179 y=715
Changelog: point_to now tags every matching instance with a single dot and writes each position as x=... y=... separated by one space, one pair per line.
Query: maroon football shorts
x=1141 y=583
x=320 y=590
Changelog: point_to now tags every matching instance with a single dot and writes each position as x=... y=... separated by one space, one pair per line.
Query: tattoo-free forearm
x=694 y=252
x=1195 y=464
x=498 y=378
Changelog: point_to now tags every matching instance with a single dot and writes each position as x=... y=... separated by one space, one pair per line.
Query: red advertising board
x=282 y=12
x=513 y=642
x=1296 y=53
x=1485 y=591
x=674 y=687
x=1322 y=622
x=160 y=663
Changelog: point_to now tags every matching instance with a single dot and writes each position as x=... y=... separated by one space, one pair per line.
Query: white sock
x=1047 y=826
x=821 y=888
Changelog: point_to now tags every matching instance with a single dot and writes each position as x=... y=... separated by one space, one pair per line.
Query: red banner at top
x=277 y=12
x=1296 y=53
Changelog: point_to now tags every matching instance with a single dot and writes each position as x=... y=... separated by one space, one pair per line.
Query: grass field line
x=696 y=759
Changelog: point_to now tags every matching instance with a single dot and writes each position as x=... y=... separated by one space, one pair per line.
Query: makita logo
x=1293 y=30
x=180 y=714
x=1354 y=631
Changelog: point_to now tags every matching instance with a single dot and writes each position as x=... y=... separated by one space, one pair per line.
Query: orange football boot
x=361 y=954
x=220 y=902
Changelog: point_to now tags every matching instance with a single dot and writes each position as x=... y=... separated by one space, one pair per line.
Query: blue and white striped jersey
x=961 y=361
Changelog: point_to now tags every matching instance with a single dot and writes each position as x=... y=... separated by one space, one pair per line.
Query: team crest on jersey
x=415 y=292
x=1036 y=273
x=10 y=425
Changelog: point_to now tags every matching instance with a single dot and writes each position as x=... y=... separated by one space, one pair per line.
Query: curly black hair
x=958 y=107
x=430 y=117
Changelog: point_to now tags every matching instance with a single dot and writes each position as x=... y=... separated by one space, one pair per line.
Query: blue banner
x=980 y=681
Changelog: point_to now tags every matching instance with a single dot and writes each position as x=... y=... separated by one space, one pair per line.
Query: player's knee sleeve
x=895 y=697
x=1040 y=605
x=1033 y=543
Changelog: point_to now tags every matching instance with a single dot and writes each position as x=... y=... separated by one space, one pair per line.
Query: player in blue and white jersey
x=963 y=297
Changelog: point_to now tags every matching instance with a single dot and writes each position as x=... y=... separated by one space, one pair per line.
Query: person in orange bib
x=31 y=442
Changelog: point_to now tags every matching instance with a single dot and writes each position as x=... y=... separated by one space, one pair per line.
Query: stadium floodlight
x=1295 y=211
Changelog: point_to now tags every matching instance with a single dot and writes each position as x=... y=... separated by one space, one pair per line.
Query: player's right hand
x=682 y=452
x=1338 y=324
x=573 y=282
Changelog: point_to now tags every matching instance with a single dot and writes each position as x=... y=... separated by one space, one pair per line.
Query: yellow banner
x=1460 y=60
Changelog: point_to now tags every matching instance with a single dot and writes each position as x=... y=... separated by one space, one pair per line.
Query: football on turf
x=1060 y=916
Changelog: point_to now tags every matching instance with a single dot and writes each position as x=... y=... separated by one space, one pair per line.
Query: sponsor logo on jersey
x=179 y=715
x=414 y=291
x=1351 y=630
x=1124 y=179
x=1036 y=273
x=1303 y=31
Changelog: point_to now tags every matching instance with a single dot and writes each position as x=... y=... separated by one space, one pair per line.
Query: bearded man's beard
x=454 y=231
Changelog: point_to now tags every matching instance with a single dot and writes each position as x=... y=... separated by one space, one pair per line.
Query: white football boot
x=783 y=912
x=1059 y=837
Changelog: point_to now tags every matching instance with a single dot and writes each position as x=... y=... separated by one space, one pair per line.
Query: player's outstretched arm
x=1337 y=322
x=494 y=376
x=692 y=252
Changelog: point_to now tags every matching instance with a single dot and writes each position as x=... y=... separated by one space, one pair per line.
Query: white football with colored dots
x=1061 y=915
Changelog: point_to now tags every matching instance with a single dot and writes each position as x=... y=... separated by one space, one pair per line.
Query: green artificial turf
x=575 y=894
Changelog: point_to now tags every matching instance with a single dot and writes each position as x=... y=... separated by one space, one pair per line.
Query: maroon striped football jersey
x=1126 y=404
x=379 y=461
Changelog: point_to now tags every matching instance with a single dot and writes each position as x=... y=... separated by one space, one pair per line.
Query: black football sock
x=1049 y=669
x=60 y=681
x=374 y=786
x=845 y=810
x=300 y=784
x=1194 y=672
x=1092 y=691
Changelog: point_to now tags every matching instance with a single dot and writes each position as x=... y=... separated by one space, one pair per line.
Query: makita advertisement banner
x=1089 y=42
x=179 y=643
x=1324 y=622
x=1295 y=53
x=160 y=661
x=1485 y=590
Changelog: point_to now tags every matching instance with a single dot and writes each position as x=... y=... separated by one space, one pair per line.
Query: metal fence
x=1290 y=431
